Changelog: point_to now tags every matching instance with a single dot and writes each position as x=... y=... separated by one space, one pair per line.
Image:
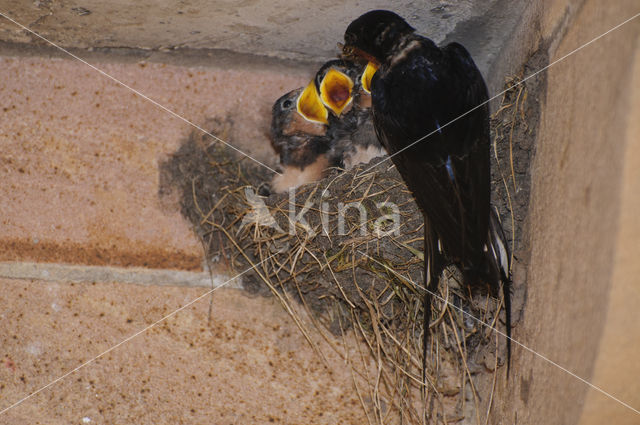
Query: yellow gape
x=367 y=75
x=310 y=106
x=335 y=91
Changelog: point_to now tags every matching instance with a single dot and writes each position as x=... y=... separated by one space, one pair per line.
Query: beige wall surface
x=581 y=287
x=617 y=369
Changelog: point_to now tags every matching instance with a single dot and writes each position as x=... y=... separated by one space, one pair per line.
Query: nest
x=348 y=249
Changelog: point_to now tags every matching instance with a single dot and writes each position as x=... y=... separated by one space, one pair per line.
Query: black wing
x=432 y=91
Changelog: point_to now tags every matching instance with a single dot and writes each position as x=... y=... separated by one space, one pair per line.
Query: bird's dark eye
x=287 y=104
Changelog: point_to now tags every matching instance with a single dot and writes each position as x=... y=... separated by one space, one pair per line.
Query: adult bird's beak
x=310 y=105
x=347 y=52
x=367 y=75
x=336 y=91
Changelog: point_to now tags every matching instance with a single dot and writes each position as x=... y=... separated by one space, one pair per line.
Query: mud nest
x=348 y=249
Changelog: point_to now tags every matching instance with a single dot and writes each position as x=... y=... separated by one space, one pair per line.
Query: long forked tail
x=433 y=268
x=499 y=259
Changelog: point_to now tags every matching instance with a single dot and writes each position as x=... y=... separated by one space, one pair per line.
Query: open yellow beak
x=336 y=91
x=367 y=75
x=310 y=106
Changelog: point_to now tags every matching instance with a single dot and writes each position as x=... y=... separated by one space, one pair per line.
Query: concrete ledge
x=304 y=30
x=66 y=273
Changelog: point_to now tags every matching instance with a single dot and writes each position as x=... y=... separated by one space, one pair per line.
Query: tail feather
x=497 y=272
x=499 y=259
x=433 y=268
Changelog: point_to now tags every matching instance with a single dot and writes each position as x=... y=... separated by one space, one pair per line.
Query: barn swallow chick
x=365 y=85
x=344 y=88
x=325 y=124
x=337 y=84
x=299 y=134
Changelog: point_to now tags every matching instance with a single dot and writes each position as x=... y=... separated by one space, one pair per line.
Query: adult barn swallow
x=430 y=112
